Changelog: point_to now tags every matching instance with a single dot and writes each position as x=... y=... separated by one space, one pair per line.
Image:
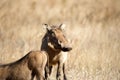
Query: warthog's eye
x=59 y=41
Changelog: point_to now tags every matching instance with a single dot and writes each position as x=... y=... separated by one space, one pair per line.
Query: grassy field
x=92 y=25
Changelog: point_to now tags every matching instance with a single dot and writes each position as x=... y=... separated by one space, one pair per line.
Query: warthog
x=26 y=68
x=56 y=46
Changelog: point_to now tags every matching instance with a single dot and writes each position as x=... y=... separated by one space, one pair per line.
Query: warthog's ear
x=62 y=26
x=46 y=26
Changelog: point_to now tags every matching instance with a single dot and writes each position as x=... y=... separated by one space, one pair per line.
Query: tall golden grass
x=92 y=25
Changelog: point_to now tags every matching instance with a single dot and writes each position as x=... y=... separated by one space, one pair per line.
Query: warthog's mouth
x=66 y=49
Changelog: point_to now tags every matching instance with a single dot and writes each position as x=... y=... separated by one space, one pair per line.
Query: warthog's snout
x=66 y=49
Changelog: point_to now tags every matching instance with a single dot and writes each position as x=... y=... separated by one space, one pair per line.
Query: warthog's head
x=56 y=38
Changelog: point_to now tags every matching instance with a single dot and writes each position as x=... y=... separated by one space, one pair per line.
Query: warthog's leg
x=59 y=75
x=47 y=73
x=50 y=69
x=64 y=71
x=40 y=74
x=33 y=75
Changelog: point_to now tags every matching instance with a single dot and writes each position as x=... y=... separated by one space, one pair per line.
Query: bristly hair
x=54 y=26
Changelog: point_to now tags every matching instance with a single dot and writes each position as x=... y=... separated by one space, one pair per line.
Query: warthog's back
x=22 y=69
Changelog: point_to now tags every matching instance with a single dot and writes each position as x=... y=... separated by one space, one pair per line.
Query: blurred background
x=93 y=26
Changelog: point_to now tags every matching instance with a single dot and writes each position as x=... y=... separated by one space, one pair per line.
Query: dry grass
x=92 y=25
